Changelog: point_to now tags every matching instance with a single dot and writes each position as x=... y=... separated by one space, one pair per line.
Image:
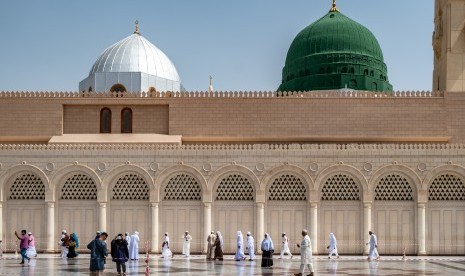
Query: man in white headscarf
x=285 y=246
x=186 y=246
x=240 y=256
x=268 y=250
x=373 y=247
x=250 y=246
x=165 y=250
x=211 y=243
x=134 y=249
x=332 y=246
x=305 y=254
x=127 y=237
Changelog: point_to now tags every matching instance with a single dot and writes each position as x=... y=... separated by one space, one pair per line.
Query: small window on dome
x=331 y=16
x=90 y=89
x=118 y=89
x=372 y=74
x=353 y=83
x=374 y=86
x=105 y=120
x=152 y=91
x=365 y=72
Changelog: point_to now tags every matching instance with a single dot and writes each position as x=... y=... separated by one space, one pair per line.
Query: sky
x=51 y=45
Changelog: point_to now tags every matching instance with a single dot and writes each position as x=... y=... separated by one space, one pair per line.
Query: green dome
x=335 y=52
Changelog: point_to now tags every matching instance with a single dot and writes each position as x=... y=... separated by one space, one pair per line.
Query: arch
x=90 y=89
x=119 y=171
x=105 y=120
x=15 y=171
x=342 y=168
x=271 y=175
x=438 y=171
x=126 y=120
x=374 y=86
x=118 y=88
x=219 y=174
x=62 y=175
x=400 y=169
x=168 y=173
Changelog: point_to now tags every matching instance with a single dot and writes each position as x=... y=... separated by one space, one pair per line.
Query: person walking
x=31 y=250
x=1 y=249
x=332 y=246
x=285 y=246
x=240 y=256
x=210 y=244
x=64 y=243
x=134 y=249
x=305 y=254
x=165 y=251
x=186 y=245
x=120 y=253
x=373 y=253
x=23 y=245
x=98 y=253
x=218 y=246
x=250 y=246
x=72 y=245
x=268 y=250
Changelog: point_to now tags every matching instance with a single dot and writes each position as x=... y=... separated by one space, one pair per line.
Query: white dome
x=135 y=54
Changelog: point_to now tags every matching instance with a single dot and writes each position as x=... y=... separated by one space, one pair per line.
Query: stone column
x=314 y=226
x=50 y=227
x=421 y=228
x=155 y=221
x=102 y=216
x=366 y=224
x=207 y=224
x=260 y=225
x=1 y=221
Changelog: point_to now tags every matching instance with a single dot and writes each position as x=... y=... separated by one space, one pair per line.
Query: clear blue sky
x=51 y=45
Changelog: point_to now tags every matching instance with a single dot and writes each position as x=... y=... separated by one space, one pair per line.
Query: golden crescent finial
x=137 y=27
x=334 y=7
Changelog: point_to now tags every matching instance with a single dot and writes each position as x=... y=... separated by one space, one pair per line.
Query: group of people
x=69 y=245
x=122 y=249
x=26 y=245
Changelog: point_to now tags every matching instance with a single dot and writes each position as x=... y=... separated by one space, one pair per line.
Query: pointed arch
x=62 y=174
x=272 y=174
x=110 y=179
x=5 y=179
x=219 y=174
x=342 y=168
x=166 y=174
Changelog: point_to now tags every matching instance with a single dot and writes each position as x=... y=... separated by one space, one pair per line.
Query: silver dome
x=135 y=54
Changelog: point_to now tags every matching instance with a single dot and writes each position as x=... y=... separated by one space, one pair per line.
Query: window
x=372 y=74
x=353 y=83
x=344 y=70
x=374 y=86
x=90 y=89
x=365 y=72
x=126 y=120
x=105 y=120
x=352 y=71
x=118 y=89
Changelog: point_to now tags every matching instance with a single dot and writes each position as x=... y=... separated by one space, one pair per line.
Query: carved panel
x=183 y=187
x=340 y=187
x=27 y=186
x=235 y=187
x=287 y=187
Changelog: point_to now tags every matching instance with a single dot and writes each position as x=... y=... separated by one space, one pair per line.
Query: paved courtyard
x=197 y=265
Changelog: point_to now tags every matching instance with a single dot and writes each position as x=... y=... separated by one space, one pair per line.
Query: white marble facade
x=412 y=196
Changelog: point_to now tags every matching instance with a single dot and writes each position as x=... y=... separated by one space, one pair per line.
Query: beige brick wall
x=86 y=119
x=30 y=118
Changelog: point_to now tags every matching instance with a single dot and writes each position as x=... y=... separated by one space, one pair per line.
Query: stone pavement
x=48 y=264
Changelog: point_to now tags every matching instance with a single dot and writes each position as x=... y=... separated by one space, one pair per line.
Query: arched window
x=374 y=86
x=353 y=83
x=365 y=72
x=118 y=89
x=372 y=74
x=90 y=89
x=152 y=91
x=105 y=120
x=126 y=120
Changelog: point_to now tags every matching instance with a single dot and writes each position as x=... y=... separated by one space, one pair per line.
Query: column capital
x=207 y=204
x=51 y=204
x=154 y=204
x=102 y=204
x=367 y=204
x=314 y=205
x=421 y=205
x=260 y=204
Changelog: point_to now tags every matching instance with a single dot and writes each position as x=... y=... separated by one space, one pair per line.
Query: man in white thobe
x=332 y=246
x=211 y=242
x=127 y=237
x=285 y=246
x=250 y=246
x=373 y=247
x=134 y=249
x=186 y=246
x=305 y=254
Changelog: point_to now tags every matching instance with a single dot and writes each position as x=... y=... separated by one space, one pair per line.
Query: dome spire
x=137 y=27
x=334 y=8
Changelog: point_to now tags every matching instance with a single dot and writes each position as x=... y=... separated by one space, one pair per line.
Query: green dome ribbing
x=335 y=52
